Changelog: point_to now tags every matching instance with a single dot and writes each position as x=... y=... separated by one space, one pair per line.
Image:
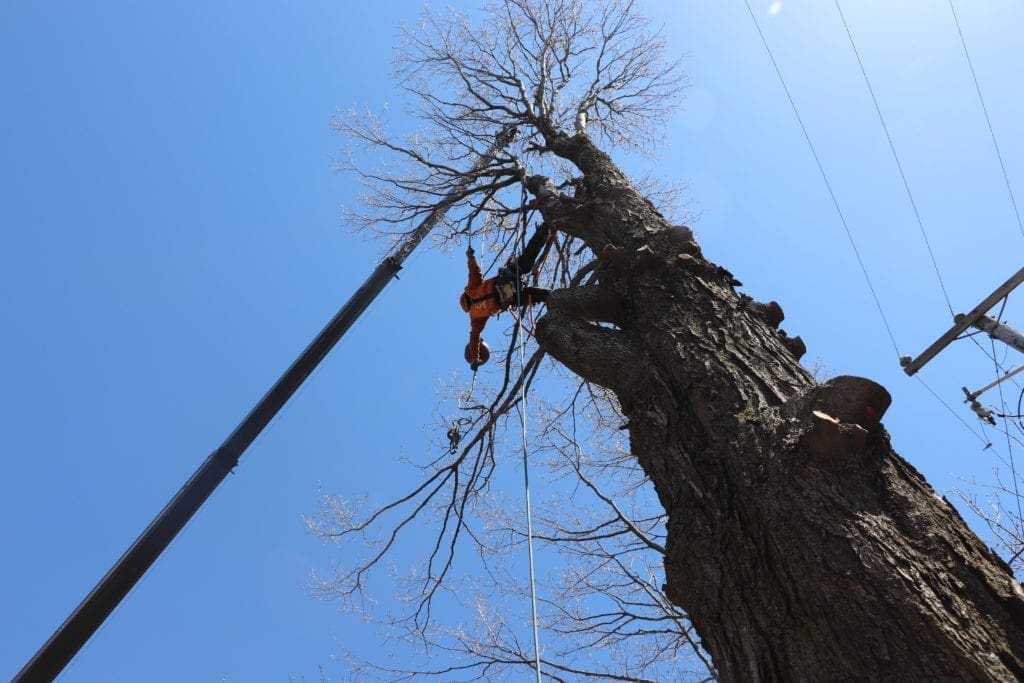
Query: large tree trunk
x=800 y=544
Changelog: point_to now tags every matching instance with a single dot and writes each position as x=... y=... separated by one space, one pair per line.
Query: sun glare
x=775 y=8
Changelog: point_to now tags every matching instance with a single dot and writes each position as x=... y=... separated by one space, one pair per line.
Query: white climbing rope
x=526 y=459
x=526 y=487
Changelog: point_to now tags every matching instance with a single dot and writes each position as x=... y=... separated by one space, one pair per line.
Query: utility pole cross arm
x=962 y=322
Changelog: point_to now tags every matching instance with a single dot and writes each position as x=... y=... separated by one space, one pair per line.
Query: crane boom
x=76 y=630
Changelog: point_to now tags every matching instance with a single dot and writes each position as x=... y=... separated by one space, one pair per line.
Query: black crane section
x=76 y=630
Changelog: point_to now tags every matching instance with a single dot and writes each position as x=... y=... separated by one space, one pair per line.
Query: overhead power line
x=842 y=217
x=1009 y=443
x=824 y=177
x=988 y=120
x=896 y=157
x=952 y=412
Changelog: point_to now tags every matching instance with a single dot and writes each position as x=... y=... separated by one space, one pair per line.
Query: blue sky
x=170 y=241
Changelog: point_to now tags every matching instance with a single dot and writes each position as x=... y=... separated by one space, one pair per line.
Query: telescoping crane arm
x=76 y=630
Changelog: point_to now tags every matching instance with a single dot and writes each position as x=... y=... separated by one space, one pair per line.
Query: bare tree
x=998 y=502
x=798 y=543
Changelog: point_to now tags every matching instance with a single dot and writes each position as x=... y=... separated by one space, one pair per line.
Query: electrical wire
x=895 y=156
x=988 y=120
x=999 y=317
x=1009 y=448
x=824 y=177
x=988 y=444
x=917 y=213
x=842 y=218
x=1000 y=369
x=1020 y=400
x=991 y=356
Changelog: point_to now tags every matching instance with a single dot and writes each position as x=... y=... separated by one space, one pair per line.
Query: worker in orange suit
x=484 y=298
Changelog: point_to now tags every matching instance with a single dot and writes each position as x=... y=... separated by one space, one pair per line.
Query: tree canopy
x=748 y=456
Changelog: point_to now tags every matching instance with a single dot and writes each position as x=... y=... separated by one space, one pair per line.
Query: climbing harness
x=507 y=293
x=508 y=290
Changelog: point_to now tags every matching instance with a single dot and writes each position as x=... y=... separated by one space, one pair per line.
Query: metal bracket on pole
x=1000 y=331
x=973 y=395
x=982 y=412
x=962 y=322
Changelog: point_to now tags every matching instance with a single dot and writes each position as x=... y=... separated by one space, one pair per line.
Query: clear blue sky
x=170 y=240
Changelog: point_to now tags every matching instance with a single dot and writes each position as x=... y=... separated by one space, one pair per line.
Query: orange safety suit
x=484 y=298
x=480 y=300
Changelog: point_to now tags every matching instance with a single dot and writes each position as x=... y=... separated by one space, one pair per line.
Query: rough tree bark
x=800 y=544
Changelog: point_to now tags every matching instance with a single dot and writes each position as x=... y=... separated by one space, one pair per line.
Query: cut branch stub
x=592 y=303
x=610 y=358
x=828 y=438
x=850 y=399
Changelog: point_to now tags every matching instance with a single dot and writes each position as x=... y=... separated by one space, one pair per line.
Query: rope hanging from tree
x=526 y=459
x=526 y=491
x=454 y=433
